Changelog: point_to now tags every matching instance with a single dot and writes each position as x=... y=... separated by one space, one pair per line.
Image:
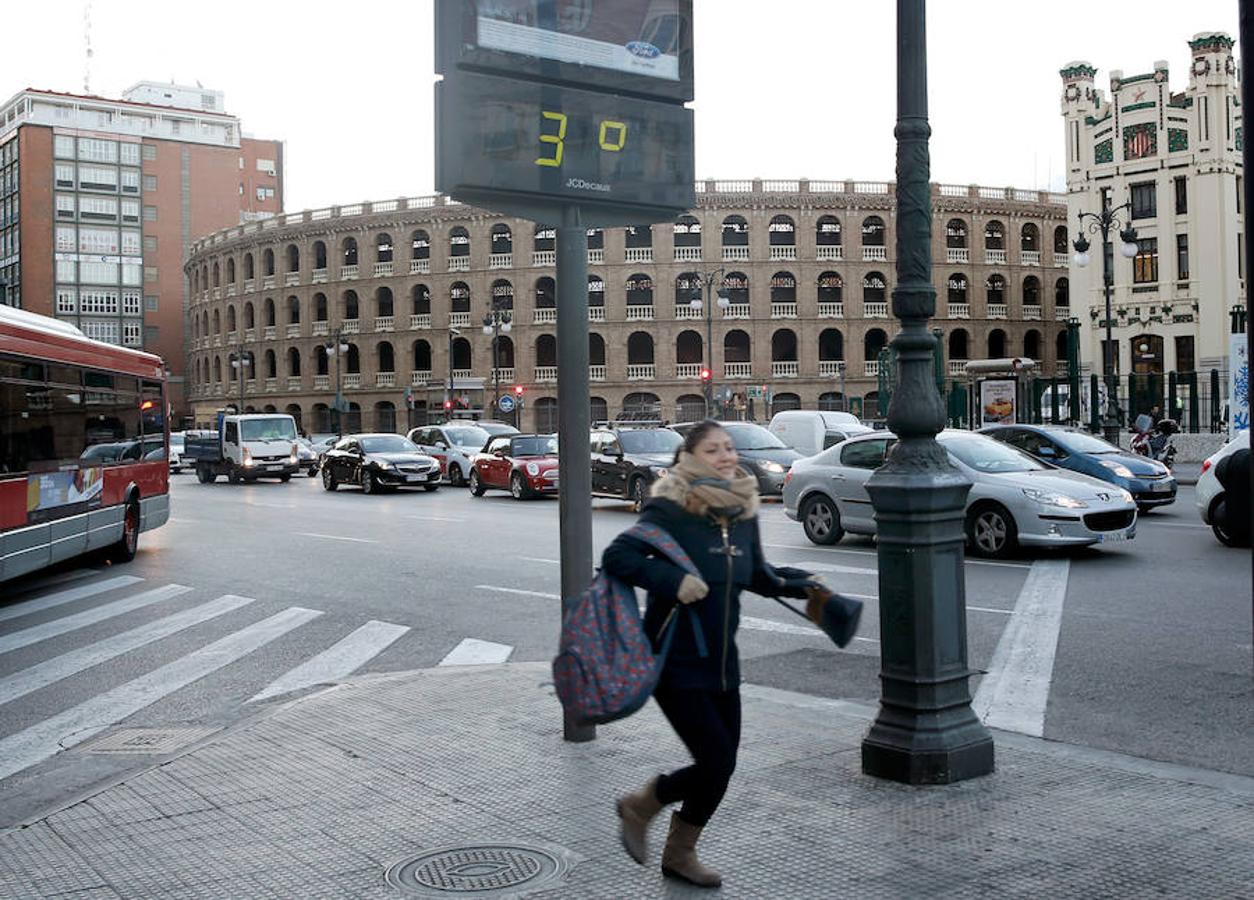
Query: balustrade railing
x=875 y=309
x=736 y=311
x=783 y=310
x=874 y=254
x=347 y=273
x=385 y=379
x=419 y=321
x=784 y=368
x=500 y=260
x=737 y=370
x=829 y=253
x=831 y=310
x=687 y=254
x=639 y=313
x=957 y=255
x=352 y=380
x=639 y=254
x=545 y=315
x=546 y=374
x=459 y=263
x=420 y=267
x=641 y=372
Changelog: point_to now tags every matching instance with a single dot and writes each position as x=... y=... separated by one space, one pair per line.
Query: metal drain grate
x=481 y=870
x=147 y=741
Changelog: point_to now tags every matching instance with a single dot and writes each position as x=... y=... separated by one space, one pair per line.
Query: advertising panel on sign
x=997 y=401
x=1238 y=384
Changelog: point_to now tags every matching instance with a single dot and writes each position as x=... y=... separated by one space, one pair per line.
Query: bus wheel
x=124 y=550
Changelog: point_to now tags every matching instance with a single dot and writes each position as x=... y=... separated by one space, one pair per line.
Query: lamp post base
x=909 y=756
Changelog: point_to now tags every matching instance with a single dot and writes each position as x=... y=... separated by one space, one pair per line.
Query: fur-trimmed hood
x=677 y=490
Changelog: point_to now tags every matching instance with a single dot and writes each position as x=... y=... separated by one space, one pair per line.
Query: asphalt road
x=1149 y=651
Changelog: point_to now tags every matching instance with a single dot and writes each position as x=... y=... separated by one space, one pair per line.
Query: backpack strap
x=662 y=542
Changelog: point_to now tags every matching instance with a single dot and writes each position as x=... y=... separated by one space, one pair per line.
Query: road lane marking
x=539 y=559
x=803 y=548
x=520 y=591
x=1014 y=693
x=61 y=732
x=1140 y=521
x=69 y=595
x=56 y=627
x=474 y=652
x=833 y=567
x=991 y=609
x=59 y=667
x=754 y=623
x=338 y=661
x=436 y=518
x=335 y=537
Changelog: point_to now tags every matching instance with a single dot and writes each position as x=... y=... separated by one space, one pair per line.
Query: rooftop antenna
x=87 y=47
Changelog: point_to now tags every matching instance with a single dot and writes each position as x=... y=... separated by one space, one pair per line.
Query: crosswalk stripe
x=337 y=661
x=52 y=670
x=474 y=652
x=69 y=595
x=817 y=566
x=42 y=632
x=70 y=728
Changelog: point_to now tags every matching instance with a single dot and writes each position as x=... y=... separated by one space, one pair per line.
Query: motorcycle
x=1154 y=441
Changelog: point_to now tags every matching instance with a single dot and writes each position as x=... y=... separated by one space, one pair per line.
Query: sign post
x=570 y=114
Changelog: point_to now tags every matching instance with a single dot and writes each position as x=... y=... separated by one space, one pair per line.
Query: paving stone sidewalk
x=325 y=794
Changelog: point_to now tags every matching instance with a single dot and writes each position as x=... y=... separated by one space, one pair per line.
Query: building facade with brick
x=100 y=200
x=806 y=269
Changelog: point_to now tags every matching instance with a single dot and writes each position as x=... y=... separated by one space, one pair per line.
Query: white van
x=810 y=431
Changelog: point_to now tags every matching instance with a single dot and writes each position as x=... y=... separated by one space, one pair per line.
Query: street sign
x=506 y=403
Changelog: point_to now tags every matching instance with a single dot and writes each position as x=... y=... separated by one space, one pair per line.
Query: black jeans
x=708 y=722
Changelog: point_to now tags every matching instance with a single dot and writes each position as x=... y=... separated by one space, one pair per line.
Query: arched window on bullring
x=596 y=239
x=249 y=271
x=385 y=357
x=1032 y=344
x=737 y=348
x=271 y=363
x=420 y=295
x=502 y=294
x=546 y=351
x=639 y=290
x=1062 y=293
x=959 y=344
x=459 y=297
x=422 y=356
x=687 y=231
x=1031 y=291
x=994 y=236
x=250 y=319
x=956 y=234
x=293 y=258
x=1030 y=237
x=545 y=239
x=689 y=348
x=271 y=313
x=735 y=232
x=995 y=289
x=216 y=273
x=383 y=303
x=831 y=345
x=383 y=247
x=827 y=232
x=546 y=293
x=293 y=362
x=267 y=263
x=874 y=341
x=996 y=344
x=873 y=232
x=596 y=349
x=639 y=236
x=321 y=313
x=874 y=288
x=352 y=306
x=462 y=357
x=458 y=241
x=596 y=292
x=230 y=270
x=293 y=310
x=502 y=239
x=320 y=255
x=736 y=288
x=640 y=349
x=957 y=289
x=230 y=318
x=419 y=245
x=784 y=345
x=348 y=251
x=782 y=231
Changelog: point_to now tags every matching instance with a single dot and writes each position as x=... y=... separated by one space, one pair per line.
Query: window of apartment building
x=1240 y=256
x=131 y=301
x=101 y=331
x=98 y=241
x=149 y=152
x=130 y=211
x=1238 y=195
x=1182 y=195
x=150 y=182
x=65 y=206
x=132 y=273
x=1184 y=354
x=150 y=243
x=130 y=181
x=1182 y=257
x=97 y=178
x=1145 y=265
x=241 y=188
x=98 y=208
x=128 y=153
x=267 y=166
x=241 y=163
x=150 y=335
x=67 y=270
x=150 y=302
x=97 y=150
x=150 y=274
x=1144 y=200
x=64 y=175
x=97 y=301
x=265 y=193
x=63 y=146
x=131 y=243
x=97 y=272
x=67 y=300
x=132 y=334
x=66 y=239
x=150 y=213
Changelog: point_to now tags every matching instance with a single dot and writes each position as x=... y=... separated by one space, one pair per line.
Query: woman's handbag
x=837 y=615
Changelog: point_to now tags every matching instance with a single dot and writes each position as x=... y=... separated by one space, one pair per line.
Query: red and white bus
x=83 y=444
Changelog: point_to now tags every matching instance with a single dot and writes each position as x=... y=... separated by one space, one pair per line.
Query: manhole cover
x=149 y=741
x=492 y=870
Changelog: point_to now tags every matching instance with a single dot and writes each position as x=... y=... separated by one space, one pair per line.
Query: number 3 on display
x=612 y=137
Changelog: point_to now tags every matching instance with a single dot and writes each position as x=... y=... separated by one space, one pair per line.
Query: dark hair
x=696 y=435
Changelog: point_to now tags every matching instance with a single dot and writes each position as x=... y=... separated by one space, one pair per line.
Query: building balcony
x=875 y=309
x=267 y=282
x=271 y=385
x=997 y=310
x=458 y=319
x=959 y=310
x=270 y=333
x=874 y=254
x=382 y=269
x=686 y=311
x=784 y=368
x=639 y=254
x=596 y=313
x=546 y=258
x=546 y=374
x=348 y=273
x=596 y=373
x=641 y=372
x=220 y=390
x=995 y=257
x=737 y=311
x=250 y=385
x=1032 y=312
x=419 y=321
x=503 y=375
x=352 y=380
x=319 y=329
x=830 y=368
x=232 y=337
x=293 y=383
x=687 y=254
x=737 y=370
x=250 y=285
x=640 y=313
x=1062 y=313
x=250 y=335
x=831 y=310
x=385 y=323
x=459 y=263
x=351 y=326
x=420 y=267
x=1061 y=260
x=500 y=260
x=217 y=293
x=216 y=340
x=322 y=382
x=596 y=257
x=293 y=330
x=420 y=377
x=318 y=276
x=688 y=370
x=783 y=310
x=957 y=367
x=385 y=379
x=829 y=253
x=545 y=315
x=871 y=369
x=230 y=290
x=784 y=251
x=291 y=279
x=463 y=373
x=955 y=255
x=1030 y=257
x=735 y=254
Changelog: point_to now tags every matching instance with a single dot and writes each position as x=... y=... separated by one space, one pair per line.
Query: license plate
x=412 y=478
x=1161 y=488
x=1112 y=537
x=273 y=468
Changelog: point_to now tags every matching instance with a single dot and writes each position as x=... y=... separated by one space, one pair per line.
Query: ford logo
x=643 y=49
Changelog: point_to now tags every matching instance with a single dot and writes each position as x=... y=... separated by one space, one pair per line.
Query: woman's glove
x=692 y=589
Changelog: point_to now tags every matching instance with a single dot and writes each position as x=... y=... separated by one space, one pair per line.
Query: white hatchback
x=1208 y=486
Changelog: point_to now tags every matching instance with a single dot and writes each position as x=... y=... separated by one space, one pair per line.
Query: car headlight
x=1126 y=495
x=774 y=468
x=1052 y=498
x=295 y=455
x=1118 y=468
x=248 y=457
x=533 y=469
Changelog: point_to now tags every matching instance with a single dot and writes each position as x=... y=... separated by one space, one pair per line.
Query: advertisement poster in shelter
x=997 y=401
x=1238 y=384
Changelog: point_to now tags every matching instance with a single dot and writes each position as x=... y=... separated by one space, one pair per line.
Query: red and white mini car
x=523 y=464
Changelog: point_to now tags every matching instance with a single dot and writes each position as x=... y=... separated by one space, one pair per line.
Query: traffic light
x=448 y=404
x=705 y=376
x=518 y=389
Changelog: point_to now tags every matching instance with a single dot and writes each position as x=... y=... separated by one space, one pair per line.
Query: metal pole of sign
x=574 y=422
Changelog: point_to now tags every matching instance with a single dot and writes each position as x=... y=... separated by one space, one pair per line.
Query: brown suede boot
x=636 y=811
x=679 y=858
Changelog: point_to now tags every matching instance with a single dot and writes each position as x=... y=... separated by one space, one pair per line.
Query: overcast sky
x=784 y=88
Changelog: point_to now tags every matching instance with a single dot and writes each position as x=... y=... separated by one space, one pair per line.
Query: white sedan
x=1209 y=490
x=1014 y=499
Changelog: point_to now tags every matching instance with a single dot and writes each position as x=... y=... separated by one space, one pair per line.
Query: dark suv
x=626 y=460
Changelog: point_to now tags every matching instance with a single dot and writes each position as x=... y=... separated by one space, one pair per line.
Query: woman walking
x=709 y=505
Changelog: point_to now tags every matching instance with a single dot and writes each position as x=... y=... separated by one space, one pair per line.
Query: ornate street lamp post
x=707 y=281
x=241 y=360
x=338 y=348
x=1103 y=223
x=926 y=731
x=497 y=320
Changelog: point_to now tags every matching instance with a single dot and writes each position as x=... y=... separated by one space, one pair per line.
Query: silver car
x=1014 y=499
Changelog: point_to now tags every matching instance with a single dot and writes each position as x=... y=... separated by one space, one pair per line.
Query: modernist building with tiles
x=384 y=304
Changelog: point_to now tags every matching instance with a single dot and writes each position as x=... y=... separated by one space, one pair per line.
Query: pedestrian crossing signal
x=705 y=375
x=448 y=404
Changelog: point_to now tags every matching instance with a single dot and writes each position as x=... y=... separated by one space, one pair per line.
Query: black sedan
x=378 y=461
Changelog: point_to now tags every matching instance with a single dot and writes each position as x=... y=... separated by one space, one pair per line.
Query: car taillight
x=1205 y=466
x=788 y=478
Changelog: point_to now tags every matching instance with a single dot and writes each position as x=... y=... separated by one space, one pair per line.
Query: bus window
x=26 y=442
